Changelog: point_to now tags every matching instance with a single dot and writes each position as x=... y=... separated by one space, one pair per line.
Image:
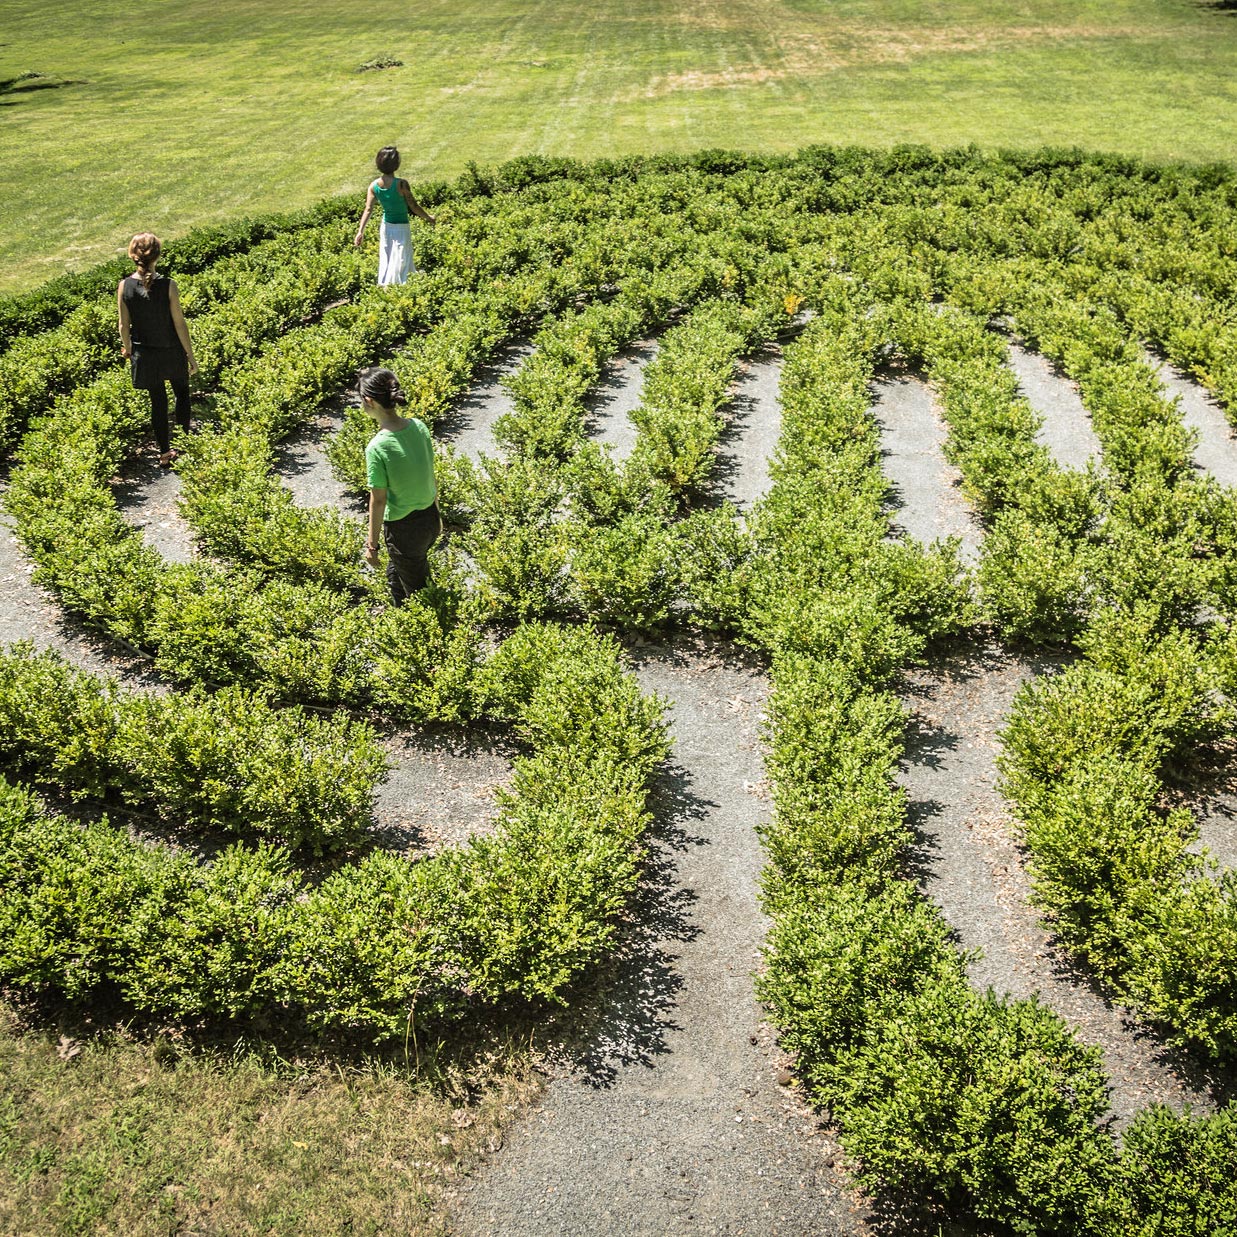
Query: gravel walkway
x=1216 y=452
x=302 y=464
x=443 y=788
x=925 y=487
x=146 y=496
x=29 y=613
x=671 y=1119
x=968 y=860
x=972 y=868
x=753 y=428
x=469 y=426
x=1066 y=429
x=617 y=395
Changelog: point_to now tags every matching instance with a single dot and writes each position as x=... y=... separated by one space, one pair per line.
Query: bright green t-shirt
x=402 y=463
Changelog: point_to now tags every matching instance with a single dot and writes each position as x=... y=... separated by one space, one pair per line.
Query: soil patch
x=303 y=467
x=443 y=789
x=146 y=496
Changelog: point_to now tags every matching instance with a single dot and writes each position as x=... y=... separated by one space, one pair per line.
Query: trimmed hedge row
x=227 y=761
x=203 y=625
x=982 y=1102
x=47 y=306
x=251 y=297
x=382 y=942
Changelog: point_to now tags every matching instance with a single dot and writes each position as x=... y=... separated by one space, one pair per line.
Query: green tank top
x=394 y=208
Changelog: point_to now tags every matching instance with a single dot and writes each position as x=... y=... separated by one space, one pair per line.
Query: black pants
x=408 y=544
x=159 y=411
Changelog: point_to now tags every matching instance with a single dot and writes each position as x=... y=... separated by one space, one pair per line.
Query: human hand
x=125 y=352
x=357 y=243
x=193 y=367
x=371 y=554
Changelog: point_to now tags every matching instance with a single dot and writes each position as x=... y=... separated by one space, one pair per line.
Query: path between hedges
x=1216 y=453
x=967 y=859
x=669 y=1116
x=925 y=489
x=671 y=1119
x=1066 y=429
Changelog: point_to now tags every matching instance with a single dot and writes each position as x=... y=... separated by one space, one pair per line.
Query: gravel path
x=617 y=395
x=752 y=430
x=29 y=613
x=443 y=789
x=145 y=495
x=1216 y=452
x=968 y=860
x=469 y=426
x=972 y=868
x=1066 y=429
x=925 y=487
x=1216 y=812
x=302 y=464
x=671 y=1118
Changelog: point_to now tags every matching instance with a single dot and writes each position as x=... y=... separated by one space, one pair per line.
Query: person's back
x=402 y=463
x=150 y=312
x=391 y=199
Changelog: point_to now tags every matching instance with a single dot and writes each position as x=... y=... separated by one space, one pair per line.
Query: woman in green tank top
x=395 y=234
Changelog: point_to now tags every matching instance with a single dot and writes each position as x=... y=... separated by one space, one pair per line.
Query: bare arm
x=369 y=210
x=182 y=327
x=413 y=205
x=122 y=313
x=377 y=508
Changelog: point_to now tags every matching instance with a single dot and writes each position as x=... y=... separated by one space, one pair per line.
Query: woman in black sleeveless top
x=153 y=333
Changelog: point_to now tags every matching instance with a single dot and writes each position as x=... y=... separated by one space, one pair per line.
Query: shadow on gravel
x=616 y=394
x=1198 y=1073
x=625 y=1016
x=468 y=425
x=935 y=741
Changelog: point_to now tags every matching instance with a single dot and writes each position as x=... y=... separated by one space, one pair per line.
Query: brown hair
x=144 y=249
x=383 y=387
x=387 y=160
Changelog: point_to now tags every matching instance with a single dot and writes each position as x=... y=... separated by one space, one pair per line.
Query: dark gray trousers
x=408 y=543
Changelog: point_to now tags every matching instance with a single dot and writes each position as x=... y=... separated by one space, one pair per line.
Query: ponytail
x=383 y=388
x=144 y=249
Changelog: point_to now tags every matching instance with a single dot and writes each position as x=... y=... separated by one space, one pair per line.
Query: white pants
x=394 y=252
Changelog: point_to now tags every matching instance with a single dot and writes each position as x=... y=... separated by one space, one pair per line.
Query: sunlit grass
x=112 y=1134
x=185 y=114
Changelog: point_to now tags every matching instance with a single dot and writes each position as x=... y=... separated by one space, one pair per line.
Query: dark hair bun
x=387 y=159
x=382 y=386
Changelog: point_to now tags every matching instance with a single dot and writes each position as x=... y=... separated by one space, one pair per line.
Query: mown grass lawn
x=163 y=116
x=112 y=1134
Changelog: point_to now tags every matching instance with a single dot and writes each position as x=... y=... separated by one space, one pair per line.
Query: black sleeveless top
x=150 y=314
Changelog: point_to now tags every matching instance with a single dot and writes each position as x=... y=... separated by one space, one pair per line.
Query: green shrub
x=227 y=761
x=1178 y=1175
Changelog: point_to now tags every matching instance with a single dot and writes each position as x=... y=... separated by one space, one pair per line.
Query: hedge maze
x=282 y=653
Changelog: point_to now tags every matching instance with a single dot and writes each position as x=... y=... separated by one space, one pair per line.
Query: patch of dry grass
x=109 y=1134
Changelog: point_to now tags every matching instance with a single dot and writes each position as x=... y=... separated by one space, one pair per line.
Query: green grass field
x=162 y=117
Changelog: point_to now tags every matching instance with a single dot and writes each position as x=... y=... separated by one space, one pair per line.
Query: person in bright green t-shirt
x=399 y=467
